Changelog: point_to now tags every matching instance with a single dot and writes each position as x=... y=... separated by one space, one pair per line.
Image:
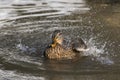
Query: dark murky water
x=25 y=28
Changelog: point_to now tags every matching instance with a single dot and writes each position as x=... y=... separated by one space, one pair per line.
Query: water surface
x=26 y=27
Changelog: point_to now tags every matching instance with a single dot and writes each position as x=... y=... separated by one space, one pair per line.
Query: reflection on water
x=16 y=9
x=26 y=27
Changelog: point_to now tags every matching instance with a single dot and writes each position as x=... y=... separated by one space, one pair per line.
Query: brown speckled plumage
x=56 y=50
x=60 y=53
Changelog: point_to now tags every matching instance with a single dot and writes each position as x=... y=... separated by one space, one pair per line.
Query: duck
x=58 y=50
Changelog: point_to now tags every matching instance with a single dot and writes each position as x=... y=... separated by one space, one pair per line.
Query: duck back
x=59 y=52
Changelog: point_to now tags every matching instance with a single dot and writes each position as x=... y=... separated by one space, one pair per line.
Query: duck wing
x=79 y=45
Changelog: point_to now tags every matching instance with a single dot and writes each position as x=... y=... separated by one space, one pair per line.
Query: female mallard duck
x=58 y=50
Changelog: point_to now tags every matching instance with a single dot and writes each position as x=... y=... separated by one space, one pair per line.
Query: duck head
x=57 y=38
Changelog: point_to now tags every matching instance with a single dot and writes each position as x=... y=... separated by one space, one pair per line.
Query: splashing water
x=25 y=48
x=97 y=53
x=93 y=51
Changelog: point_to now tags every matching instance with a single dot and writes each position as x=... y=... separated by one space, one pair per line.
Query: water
x=26 y=27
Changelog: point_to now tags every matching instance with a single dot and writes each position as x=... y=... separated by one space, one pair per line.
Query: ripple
x=11 y=75
x=33 y=21
x=32 y=8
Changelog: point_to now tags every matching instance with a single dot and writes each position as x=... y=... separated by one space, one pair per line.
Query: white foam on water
x=97 y=53
x=28 y=50
x=15 y=57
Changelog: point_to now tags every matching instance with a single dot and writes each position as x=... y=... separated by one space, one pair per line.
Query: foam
x=97 y=53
